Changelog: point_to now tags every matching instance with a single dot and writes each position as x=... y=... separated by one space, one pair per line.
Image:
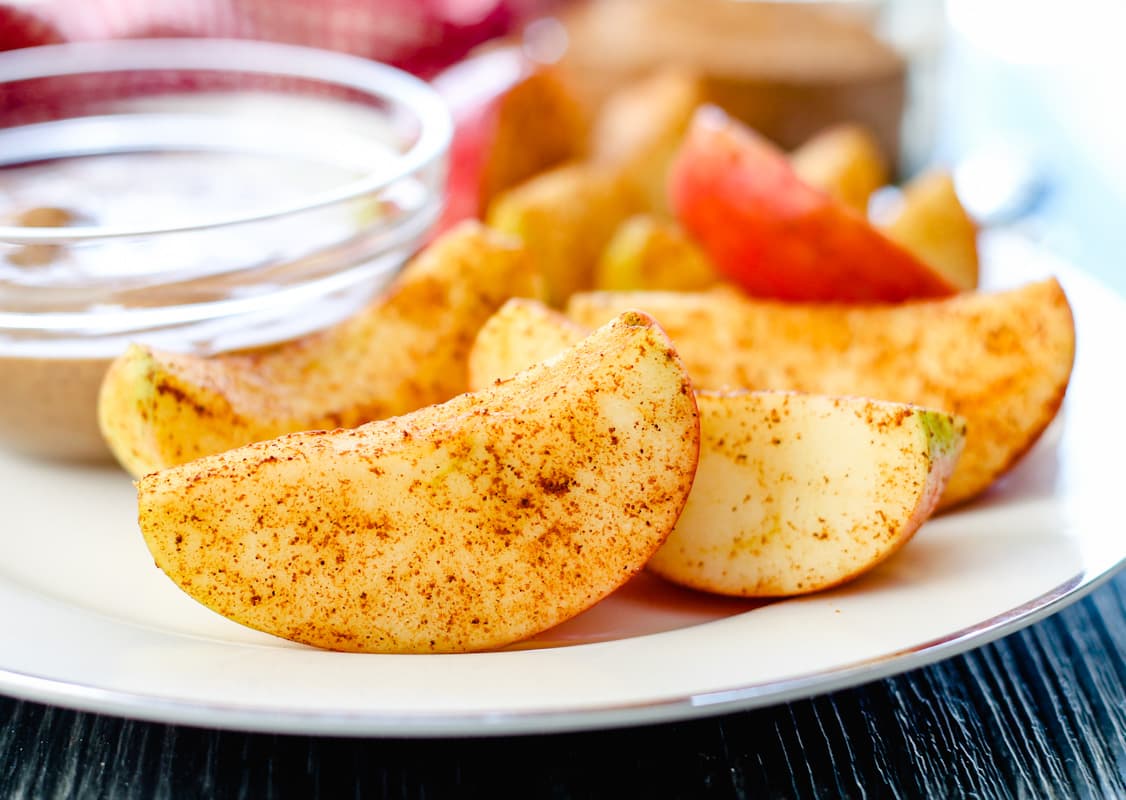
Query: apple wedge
x=407 y=350
x=794 y=493
x=566 y=217
x=775 y=236
x=639 y=128
x=513 y=118
x=930 y=221
x=523 y=332
x=462 y=526
x=843 y=161
x=1001 y=360
x=651 y=253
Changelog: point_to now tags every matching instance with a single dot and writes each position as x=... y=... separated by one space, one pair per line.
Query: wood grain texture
x=1042 y=713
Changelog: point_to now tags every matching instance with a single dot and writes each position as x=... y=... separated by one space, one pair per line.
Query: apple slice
x=1002 y=360
x=794 y=492
x=406 y=350
x=776 y=237
x=521 y=333
x=566 y=217
x=843 y=161
x=639 y=128
x=650 y=253
x=462 y=526
x=513 y=118
x=929 y=220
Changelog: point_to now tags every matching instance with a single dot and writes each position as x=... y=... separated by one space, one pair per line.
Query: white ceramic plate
x=88 y=622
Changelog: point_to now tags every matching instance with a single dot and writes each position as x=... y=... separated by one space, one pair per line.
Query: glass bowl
x=195 y=195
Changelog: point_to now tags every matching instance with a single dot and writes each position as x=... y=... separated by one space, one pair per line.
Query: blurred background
x=1030 y=83
x=1013 y=97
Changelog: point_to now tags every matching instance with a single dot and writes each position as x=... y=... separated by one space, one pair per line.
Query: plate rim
x=252 y=719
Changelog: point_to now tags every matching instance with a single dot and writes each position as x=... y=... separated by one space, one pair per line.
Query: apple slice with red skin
x=513 y=118
x=774 y=235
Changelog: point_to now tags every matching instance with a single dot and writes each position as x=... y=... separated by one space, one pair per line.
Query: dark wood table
x=1041 y=713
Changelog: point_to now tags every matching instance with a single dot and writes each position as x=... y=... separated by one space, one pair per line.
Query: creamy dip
x=67 y=308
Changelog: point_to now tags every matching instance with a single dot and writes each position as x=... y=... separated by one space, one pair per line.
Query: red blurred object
x=472 y=103
x=421 y=36
x=24 y=28
x=515 y=115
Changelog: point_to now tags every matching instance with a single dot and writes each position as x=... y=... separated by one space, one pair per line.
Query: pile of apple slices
x=769 y=440
x=490 y=517
x=582 y=458
x=793 y=492
x=406 y=350
x=462 y=526
x=481 y=521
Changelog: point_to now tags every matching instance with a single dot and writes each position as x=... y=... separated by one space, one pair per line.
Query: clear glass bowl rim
x=239 y=56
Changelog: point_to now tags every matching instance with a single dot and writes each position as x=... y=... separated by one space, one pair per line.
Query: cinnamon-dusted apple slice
x=407 y=350
x=1001 y=360
x=794 y=493
x=774 y=235
x=462 y=526
x=523 y=332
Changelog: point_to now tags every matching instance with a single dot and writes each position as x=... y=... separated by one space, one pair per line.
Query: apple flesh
x=651 y=253
x=638 y=130
x=777 y=237
x=796 y=493
x=565 y=217
x=929 y=220
x=845 y=162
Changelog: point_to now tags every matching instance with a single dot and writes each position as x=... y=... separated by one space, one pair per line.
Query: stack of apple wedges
x=462 y=466
x=464 y=525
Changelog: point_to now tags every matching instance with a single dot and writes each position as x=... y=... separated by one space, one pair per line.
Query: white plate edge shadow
x=203 y=711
